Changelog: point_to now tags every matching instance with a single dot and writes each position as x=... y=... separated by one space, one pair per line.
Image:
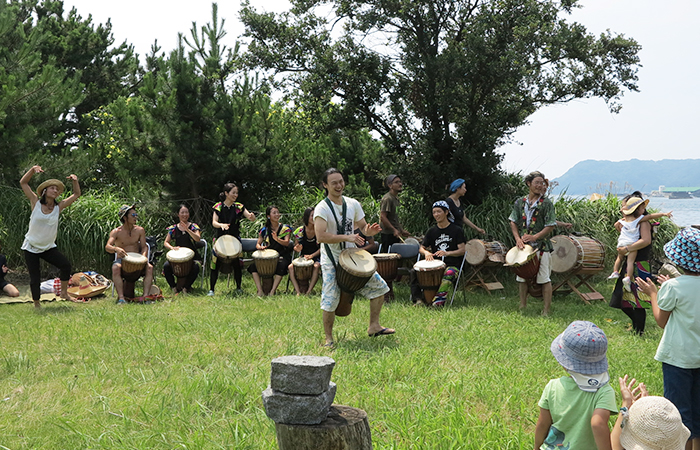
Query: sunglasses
x=134 y=215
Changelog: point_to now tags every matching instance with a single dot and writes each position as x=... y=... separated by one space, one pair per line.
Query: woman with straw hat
x=40 y=240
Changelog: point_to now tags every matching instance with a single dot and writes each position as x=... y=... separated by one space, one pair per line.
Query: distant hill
x=596 y=176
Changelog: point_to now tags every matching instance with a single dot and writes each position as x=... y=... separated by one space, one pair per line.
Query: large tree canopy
x=443 y=82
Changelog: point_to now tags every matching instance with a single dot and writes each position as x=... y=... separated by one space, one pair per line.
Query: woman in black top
x=457 y=190
x=309 y=248
x=183 y=234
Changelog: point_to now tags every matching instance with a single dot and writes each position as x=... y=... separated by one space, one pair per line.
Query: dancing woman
x=40 y=240
x=227 y=220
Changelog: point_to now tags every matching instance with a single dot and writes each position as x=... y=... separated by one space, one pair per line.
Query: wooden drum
x=490 y=253
x=227 y=249
x=573 y=253
x=266 y=262
x=355 y=268
x=388 y=265
x=181 y=261
x=303 y=268
x=429 y=274
x=133 y=266
x=524 y=263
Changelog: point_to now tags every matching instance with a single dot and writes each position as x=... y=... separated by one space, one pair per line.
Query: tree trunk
x=345 y=428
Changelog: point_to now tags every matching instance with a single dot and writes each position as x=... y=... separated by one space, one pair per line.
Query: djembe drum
x=429 y=275
x=355 y=268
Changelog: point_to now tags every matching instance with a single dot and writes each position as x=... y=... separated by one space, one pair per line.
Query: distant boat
x=678 y=195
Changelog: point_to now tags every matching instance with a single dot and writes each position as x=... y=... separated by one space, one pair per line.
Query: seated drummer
x=532 y=220
x=183 y=234
x=308 y=247
x=126 y=238
x=443 y=241
x=276 y=236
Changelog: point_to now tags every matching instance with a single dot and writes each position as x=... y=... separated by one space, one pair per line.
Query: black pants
x=191 y=277
x=51 y=256
x=237 y=274
x=638 y=316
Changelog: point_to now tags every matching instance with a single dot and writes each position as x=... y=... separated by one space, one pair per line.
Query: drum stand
x=583 y=276
x=480 y=275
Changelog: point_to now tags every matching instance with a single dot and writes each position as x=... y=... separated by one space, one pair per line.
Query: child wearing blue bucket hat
x=676 y=309
x=574 y=409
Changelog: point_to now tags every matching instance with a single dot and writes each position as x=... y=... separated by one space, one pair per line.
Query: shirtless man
x=126 y=238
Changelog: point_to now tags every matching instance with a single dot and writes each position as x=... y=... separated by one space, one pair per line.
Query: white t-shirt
x=354 y=213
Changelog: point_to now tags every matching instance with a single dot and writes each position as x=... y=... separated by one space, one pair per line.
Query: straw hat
x=52 y=182
x=654 y=423
x=581 y=348
x=632 y=204
x=85 y=289
x=684 y=249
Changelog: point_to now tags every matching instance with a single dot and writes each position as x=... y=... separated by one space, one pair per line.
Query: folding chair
x=203 y=244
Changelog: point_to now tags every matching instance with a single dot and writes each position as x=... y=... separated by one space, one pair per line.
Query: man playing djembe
x=124 y=239
x=532 y=220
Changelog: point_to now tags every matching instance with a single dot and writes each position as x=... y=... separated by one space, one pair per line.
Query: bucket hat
x=653 y=423
x=52 y=182
x=632 y=204
x=581 y=348
x=684 y=249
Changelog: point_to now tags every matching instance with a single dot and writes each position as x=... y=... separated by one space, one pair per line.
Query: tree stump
x=345 y=428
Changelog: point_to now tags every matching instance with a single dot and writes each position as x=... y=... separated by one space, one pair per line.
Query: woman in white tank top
x=40 y=240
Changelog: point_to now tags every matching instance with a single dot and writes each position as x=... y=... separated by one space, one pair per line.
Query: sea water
x=686 y=211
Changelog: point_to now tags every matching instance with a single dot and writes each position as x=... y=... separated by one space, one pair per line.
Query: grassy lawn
x=189 y=373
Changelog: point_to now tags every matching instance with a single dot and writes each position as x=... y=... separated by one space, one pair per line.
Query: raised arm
x=74 y=196
x=24 y=184
x=654 y=216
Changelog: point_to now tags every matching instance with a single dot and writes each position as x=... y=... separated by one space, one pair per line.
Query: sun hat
x=581 y=348
x=125 y=209
x=653 y=423
x=684 y=249
x=456 y=184
x=52 y=182
x=85 y=289
x=632 y=204
x=390 y=179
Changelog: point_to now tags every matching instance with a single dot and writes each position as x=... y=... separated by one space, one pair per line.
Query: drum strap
x=339 y=227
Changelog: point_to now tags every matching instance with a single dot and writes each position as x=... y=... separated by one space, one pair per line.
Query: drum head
x=182 y=254
x=386 y=256
x=412 y=241
x=428 y=265
x=268 y=253
x=135 y=258
x=565 y=254
x=357 y=262
x=302 y=262
x=517 y=257
x=227 y=246
x=476 y=252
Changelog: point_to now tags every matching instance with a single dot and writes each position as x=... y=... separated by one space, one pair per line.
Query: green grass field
x=188 y=373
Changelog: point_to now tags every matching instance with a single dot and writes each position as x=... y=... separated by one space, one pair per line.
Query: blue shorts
x=682 y=388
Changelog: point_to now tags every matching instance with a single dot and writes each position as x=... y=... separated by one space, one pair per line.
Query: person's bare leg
x=314 y=278
x=64 y=290
x=547 y=297
x=258 y=285
x=375 y=308
x=522 y=292
x=148 y=280
x=117 y=280
x=294 y=279
x=275 y=283
x=328 y=320
x=11 y=290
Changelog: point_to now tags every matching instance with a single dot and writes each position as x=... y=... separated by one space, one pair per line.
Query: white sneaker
x=614 y=276
x=627 y=283
x=210 y=293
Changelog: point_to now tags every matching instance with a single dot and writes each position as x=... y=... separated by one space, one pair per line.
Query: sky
x=655 y=123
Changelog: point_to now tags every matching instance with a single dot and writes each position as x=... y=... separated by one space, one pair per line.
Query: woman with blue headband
x=457 y=189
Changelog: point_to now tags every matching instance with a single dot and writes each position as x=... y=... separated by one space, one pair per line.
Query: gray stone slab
x=298 y=409
x=308 y=375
